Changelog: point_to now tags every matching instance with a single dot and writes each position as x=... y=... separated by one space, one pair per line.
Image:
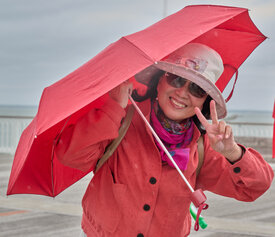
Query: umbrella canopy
x=228 y=30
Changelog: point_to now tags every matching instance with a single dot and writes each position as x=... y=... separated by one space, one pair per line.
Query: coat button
x=140 y=235
x=146 y=207
x=152 y=180
x=237 y=170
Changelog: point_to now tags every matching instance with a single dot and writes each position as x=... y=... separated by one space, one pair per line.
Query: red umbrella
x=273 y=151
x=228 y=30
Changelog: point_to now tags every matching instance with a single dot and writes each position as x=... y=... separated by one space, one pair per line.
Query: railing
x=243 y=129
x=11 y=128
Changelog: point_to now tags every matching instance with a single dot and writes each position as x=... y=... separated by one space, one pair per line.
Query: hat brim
x=145 y=76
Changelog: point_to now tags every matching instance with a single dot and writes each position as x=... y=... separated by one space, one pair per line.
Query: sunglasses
x=178 y=82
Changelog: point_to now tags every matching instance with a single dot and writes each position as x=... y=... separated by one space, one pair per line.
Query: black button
x=237 y=169
x=140 y=235
x=153 y=180
x=146 y=207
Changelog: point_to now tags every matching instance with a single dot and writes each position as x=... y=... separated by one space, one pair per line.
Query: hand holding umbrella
x=121 y=92
x=220 y=135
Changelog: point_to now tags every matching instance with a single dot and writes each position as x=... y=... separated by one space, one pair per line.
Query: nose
x=183 y=91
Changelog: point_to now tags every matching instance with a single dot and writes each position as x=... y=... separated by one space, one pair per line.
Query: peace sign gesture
x=220 y=134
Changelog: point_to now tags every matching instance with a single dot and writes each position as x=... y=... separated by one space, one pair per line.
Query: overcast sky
x=43 y=41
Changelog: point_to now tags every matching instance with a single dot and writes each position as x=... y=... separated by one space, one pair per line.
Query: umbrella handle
x=194 y=214
x=161 y=144
x=198 y=198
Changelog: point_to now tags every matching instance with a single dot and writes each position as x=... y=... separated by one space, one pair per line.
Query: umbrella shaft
x=161 y=144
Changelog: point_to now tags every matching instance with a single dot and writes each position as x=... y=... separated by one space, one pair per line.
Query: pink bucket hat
x=195 y=62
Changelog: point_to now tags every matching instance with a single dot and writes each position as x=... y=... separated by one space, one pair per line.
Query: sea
x=18 y=110
x=15 y=118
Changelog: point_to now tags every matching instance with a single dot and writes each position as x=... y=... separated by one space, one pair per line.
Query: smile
x=178 y=104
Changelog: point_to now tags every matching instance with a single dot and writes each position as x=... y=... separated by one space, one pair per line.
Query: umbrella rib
x=243 y=32
x=147 y=56
x=53 y=147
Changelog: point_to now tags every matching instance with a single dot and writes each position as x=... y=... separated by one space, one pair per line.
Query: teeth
x=178 y=104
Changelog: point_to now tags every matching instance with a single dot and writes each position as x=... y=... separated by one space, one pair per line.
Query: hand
x=220 y=134
x=121 y=92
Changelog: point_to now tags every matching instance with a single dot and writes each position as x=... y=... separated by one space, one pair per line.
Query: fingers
x=128 y=86
x=228 y=132
x=130 y=89
x=201 y=117
x=218 y=130
x=221 y=127
x=225 y=131
x=213 y=112
x=121 y=92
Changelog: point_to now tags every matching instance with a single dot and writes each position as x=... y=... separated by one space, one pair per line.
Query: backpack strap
x=200 y=154
x=114 y=144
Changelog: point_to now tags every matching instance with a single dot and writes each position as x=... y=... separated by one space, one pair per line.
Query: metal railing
x=11 y=128
x=243 y=129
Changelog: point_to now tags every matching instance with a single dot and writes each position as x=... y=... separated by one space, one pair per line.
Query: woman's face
x=177 y=103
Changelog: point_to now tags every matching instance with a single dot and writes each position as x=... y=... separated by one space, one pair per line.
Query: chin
x=175 y=117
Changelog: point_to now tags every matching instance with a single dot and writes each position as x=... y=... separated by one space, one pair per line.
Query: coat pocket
x=177 y=217
x=102 y=201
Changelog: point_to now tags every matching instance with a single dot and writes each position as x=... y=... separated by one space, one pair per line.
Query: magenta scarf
x=174 y=142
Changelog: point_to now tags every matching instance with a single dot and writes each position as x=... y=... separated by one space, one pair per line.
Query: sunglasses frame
x=178 y=82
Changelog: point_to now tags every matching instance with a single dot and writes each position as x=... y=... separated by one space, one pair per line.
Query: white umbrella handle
x=161 y=144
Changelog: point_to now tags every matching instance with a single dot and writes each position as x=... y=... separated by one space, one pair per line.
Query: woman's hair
x=152 y=88
x=205 y=111
x=152 y=94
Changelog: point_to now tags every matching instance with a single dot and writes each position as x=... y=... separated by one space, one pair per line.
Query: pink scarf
x=175 y=142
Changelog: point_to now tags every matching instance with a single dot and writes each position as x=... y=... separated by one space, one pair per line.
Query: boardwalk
x=30 y=215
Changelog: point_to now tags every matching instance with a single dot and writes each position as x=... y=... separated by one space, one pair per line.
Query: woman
x=138 y=192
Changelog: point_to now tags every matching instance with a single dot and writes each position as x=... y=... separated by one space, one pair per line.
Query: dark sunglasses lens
x=178 y=82
x=174 y=80
x=196 y=91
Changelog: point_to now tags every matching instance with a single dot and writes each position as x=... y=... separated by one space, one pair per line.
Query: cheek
x=198 y=102
x=160 y=86
x=161 y=98
x=161 y=89
x=201 y=105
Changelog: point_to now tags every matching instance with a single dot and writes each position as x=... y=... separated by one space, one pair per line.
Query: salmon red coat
x=134 y=192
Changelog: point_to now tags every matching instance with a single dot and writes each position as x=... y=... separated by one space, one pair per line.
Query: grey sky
x=43 y=41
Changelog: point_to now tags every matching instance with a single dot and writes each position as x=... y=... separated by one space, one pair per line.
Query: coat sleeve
x=82 y=144
x=245 y=180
